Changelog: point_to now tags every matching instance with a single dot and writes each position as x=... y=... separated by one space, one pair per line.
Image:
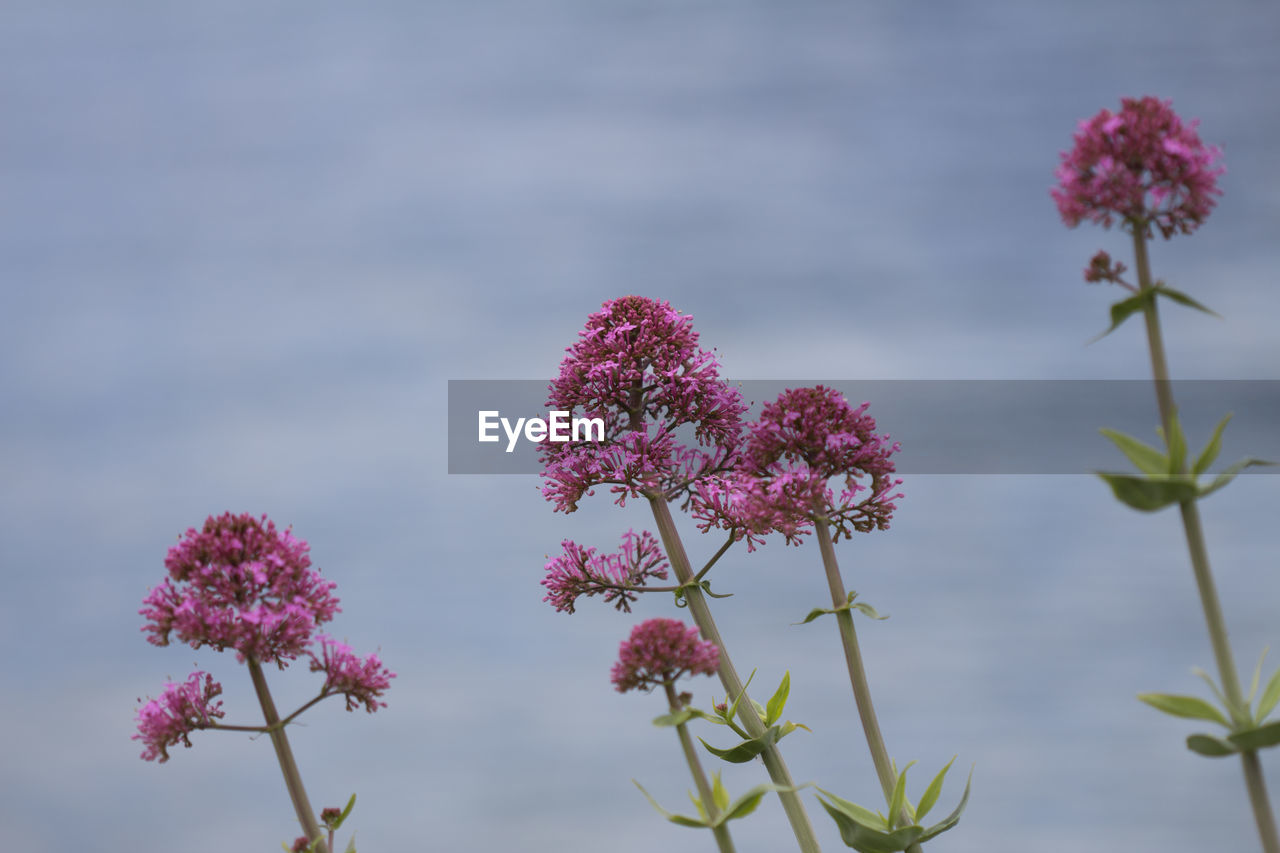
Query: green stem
x=292 y=779
x=858 y=673
x=1214 y=621
x=721 y=832
x=733 y=686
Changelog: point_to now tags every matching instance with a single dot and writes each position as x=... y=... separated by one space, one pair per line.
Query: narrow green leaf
x=778 y=701
x=1208 y=679
x=1211 y=450
x=680 y=820
x=1126 y=308
x=747 y=803
x=1191 y=707
x=746 y=750
x=1147 y=459
x=867 y=610
x=718 y=794
x=1257 y=675
x=931 y=793
x=813 y=614
x=953 y=818
x=1149 y=495
x=899 y=795
x=1177 y=443
x=351 y=845
x=678 y=718
x=1259 y=738
x=1210 y=746
x=1270 y=696
x=697 y=804
x=855 y=811
x=351 y=804
x=1230 y=474
x=1182 y=299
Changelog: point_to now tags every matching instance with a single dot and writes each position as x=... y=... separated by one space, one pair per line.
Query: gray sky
x=243 y=249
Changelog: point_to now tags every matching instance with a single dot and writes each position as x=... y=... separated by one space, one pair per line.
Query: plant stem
x=733 y=686
x=292 y=779
x=858 y=673
x=721 y=832
x=1214 y=621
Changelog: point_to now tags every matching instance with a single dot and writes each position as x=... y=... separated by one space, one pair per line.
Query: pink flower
x=1142 y=165
x=180 y=710
x=240 y=584
x=579 y=571
x=361 y=681
x=658 y=652
x=803 y=443
x=637 y=365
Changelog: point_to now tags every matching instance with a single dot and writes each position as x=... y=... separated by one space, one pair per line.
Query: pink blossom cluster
x=359 y=680
x=239 y=583
x=803 y=443
x=1142 y=165
x=180 y=710
x=658 y=652
x=638 y=366
x=618 y=576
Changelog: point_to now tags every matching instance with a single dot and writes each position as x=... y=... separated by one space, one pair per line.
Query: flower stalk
x=720 y=830
x=729 y=678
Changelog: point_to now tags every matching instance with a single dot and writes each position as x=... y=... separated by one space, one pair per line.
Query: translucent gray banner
x=944 y=426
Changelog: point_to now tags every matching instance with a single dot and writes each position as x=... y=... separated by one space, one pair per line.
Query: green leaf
x=678 y=819
x=1230 y=474
x=1211 y=450
x=747 y=803
x=1259 y=738
x=779 y=700
x=678 y=718
x=1182 y=299
x=931 y=793
x=867 y=610
x=899 y=795
x=1149 y=495
x=1177 y=443
x=855 y=811
x=953 y=818
x=1147 y=459
x=351 y=845
x=1126 y=308
x=718 y=794
x=1191 y=707
x=747 y=750
x=1210 y=746
x=1270 y=696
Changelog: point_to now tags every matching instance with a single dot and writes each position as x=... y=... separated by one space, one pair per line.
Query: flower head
x=618 y=577
x=361 y=681
x=658 y=652
x=240 y=584
x=638 y=366
x=803 y=442
x=180 y=710
x=1142 y=165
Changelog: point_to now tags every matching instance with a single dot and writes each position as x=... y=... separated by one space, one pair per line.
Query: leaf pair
x=872 y=832
x=1165 y=482
x=861 y=607
x=1246 y=729
x=1126 y=308
x=769 y=716
x=725 y=810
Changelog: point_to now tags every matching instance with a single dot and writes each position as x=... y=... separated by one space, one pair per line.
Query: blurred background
x=243 y=248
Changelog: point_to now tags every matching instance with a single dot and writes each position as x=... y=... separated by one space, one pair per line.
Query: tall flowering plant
x=675 y=434
x=240 y=584
x=671 y=424
x=1147 y=170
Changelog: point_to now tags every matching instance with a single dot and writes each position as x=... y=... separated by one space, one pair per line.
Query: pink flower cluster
x=180 y=710
x=802 y=443
x=360 y=681
x=580 y=571
x=658 y=652
x=240 y=584
x=637 y=365
x=1142 y=165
